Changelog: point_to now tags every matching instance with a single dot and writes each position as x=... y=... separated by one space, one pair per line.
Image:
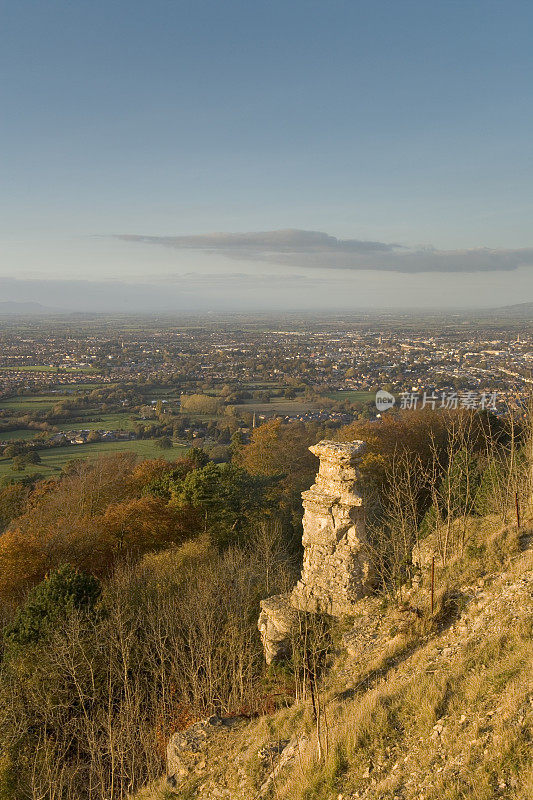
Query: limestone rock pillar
x=336 y=567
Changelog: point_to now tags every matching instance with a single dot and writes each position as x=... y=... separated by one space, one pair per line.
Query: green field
x=278 y=405
x=352 y=396
x=95 y=421
x=122 y=420
x=53 y=460
x=84 y=387
x=19 y=433
x=47 y=368
x=164 y=393
x=36 y=402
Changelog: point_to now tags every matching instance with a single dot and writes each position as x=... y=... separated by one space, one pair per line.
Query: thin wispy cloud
x=318 y=250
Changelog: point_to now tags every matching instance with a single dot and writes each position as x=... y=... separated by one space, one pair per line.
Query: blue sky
x=404 y=124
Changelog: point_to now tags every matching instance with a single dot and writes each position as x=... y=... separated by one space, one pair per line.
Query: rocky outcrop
x=470 y=677
x=276 y=622
x=190 y=751
x=337 y=569
x=197 y=761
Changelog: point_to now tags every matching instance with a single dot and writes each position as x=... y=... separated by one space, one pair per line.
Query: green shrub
x=63 y=591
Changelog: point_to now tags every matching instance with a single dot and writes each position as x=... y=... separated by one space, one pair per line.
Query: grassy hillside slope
x=423 y=707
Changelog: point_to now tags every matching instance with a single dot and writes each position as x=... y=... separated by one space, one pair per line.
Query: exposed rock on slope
x=194 y=754
x=337 y=569
x=276 y=622
x=420 y=716
x=419 y=703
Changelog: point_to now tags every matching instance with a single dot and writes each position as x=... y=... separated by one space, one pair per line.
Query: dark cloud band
x=317 y=250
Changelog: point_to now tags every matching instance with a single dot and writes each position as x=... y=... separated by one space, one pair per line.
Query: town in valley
x=81 y=385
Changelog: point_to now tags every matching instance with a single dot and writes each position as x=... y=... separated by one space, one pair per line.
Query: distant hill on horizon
x=9 y=307
x=516 y=310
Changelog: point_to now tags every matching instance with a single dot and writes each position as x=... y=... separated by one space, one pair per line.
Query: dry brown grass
x=483 y=698
x=413 y=723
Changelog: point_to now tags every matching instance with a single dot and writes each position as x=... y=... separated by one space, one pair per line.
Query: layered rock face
x=276 y=623
x=336 y=567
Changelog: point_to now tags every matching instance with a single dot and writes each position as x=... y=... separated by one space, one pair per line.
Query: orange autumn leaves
x=93 y=517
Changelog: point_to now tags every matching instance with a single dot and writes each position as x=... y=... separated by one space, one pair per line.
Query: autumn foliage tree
x=282 y=450
x=199 y=404
x=138 y=525
x=94 y=516
x=12 y=502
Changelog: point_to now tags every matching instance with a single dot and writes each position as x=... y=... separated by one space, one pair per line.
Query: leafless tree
x=393 y=532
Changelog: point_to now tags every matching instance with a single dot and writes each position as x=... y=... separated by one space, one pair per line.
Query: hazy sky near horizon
x=347 y=154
